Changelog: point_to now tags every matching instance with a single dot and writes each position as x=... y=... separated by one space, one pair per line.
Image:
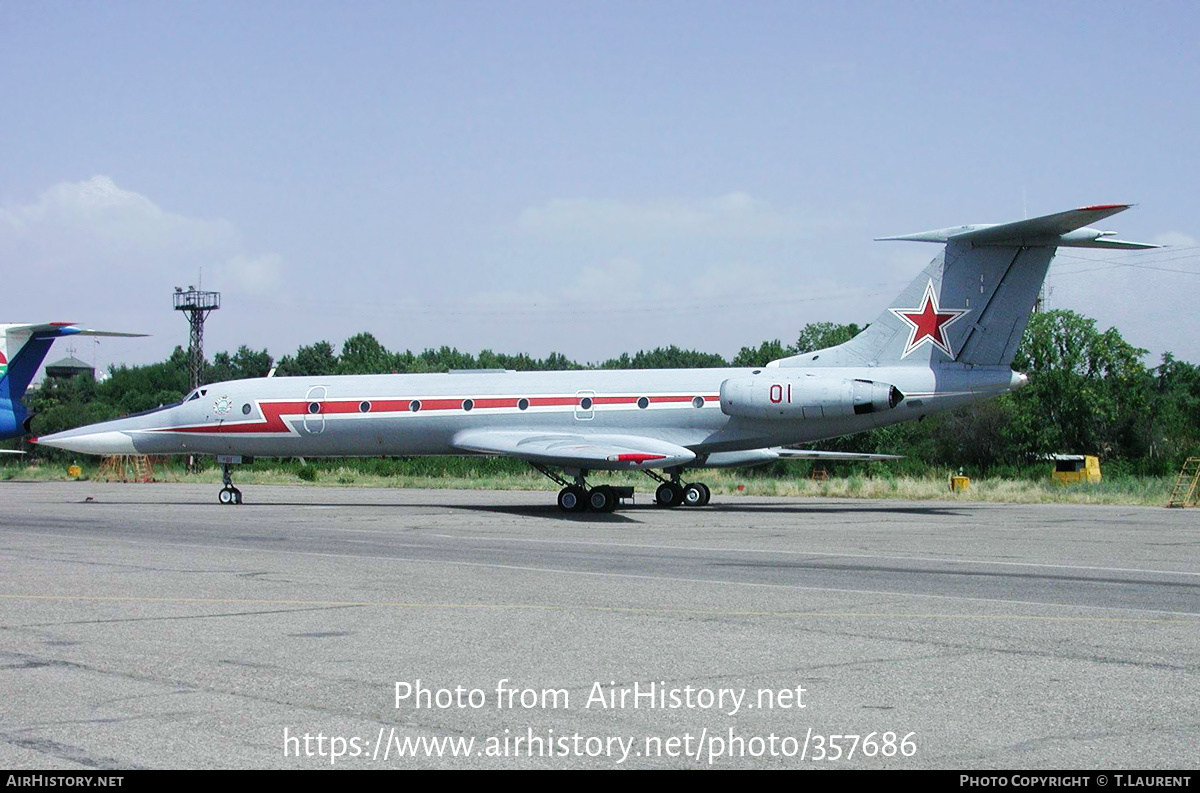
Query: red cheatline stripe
x=541 y=402
x=640 y=458
x=273 y=412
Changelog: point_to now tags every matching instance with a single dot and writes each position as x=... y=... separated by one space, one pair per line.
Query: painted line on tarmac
x=329 y=604
x=627 y=576
x=812 y=553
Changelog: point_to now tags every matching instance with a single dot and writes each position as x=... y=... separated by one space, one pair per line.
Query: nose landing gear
x=229 y=494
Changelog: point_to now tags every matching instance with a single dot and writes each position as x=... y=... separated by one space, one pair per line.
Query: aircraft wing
x=569 y=450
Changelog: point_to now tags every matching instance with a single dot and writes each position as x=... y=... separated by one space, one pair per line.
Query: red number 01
x=776 y=393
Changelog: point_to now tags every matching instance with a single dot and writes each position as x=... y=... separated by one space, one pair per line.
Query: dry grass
x=1146 y=491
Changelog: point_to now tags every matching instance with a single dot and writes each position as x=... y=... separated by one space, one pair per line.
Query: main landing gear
x=673 y=493
x=229 y=494
x=576 y=496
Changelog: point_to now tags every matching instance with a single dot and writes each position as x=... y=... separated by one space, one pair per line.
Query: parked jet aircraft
x=22 y=349
x=947 y=340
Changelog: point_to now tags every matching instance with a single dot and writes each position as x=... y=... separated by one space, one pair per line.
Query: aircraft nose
x=107 y=442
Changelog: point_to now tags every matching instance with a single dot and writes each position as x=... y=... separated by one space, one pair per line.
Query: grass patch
x=503 y=474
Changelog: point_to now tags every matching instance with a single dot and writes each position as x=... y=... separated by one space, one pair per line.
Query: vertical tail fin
x=22 y=350
x=971 y=304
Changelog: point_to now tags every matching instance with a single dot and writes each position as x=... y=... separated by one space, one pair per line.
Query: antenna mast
x=197 y=305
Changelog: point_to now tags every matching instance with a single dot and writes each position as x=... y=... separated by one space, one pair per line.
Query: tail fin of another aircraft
x=972 y=303
x=22 y=350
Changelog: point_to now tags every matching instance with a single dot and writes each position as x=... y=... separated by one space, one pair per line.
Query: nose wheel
x=229 y=495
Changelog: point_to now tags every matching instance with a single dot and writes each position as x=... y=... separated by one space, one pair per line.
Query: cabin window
x=364 y=407
x=415 y=405
x=468 y=404
x=522 y=404
x=586 y=403
x=314 y=407
x=698 y=402
x=643 y=403
x=246 y=409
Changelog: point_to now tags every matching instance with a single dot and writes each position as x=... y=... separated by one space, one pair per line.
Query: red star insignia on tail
x=929 y=322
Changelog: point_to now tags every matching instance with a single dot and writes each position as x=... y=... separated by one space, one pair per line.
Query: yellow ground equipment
x=1185 y=490
x=1072 y=469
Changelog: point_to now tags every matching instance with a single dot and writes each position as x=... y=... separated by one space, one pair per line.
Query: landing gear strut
x=673 y=493
x=229 y=494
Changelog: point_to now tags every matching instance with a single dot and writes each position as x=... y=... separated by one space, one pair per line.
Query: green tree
x=446 y=358
x=671 y=357
x=242 y=364
x=1088 y=391
x=363 y=354
x=557 y=362
x=768 y=351
x=820 y=335
x=311 y=361
x=1175 y=415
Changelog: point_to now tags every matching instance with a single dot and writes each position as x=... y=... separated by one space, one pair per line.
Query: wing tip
x=1105 y=207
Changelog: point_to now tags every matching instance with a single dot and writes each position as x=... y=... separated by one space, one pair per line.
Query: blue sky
x=590 y=178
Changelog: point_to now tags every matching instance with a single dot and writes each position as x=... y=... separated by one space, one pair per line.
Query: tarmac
x=145 y=625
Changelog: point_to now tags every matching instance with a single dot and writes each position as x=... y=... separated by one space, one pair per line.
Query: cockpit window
x=199 y=392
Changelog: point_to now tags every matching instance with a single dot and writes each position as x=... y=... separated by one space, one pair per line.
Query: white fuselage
x=422 y=414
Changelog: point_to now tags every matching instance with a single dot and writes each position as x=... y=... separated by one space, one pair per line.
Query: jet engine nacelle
x=804 y=397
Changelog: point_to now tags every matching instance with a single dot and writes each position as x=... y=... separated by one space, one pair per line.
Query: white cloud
x=1175 y=239
x=97 y=222
x=92 y=242
x=256 y=275
x=99 y=254
x=732 y=216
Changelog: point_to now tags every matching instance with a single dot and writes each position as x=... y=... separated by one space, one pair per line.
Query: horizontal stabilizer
x=64 y=329
x=1061 y=230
